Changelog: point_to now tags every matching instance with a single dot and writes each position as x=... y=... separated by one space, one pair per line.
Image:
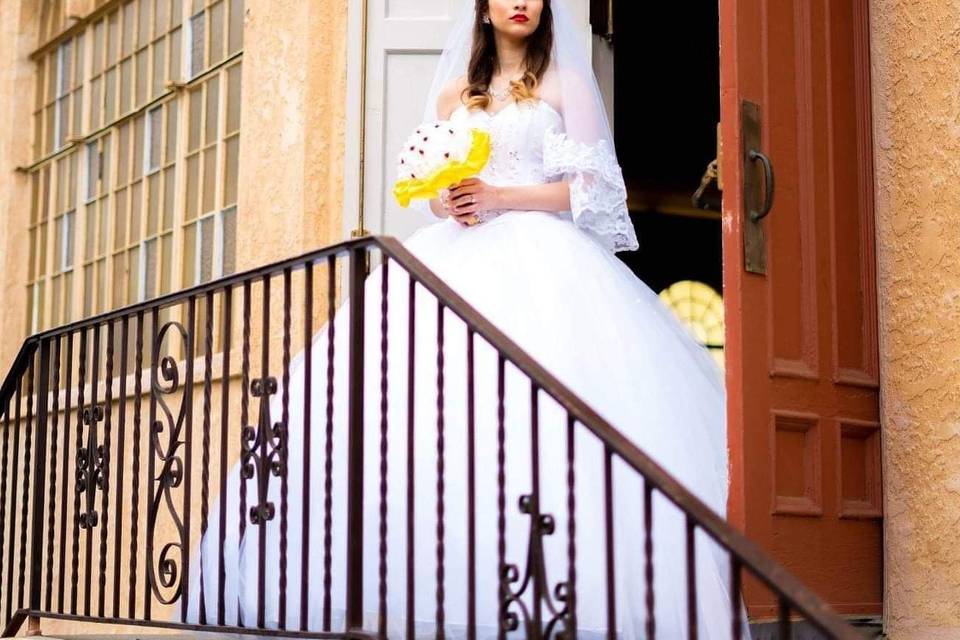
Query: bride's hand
x=469 y=197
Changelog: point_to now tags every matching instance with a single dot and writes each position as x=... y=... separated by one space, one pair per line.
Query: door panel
x=404 y=41
x=803 y=412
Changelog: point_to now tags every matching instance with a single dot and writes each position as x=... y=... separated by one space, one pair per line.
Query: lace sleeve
x=598 y=197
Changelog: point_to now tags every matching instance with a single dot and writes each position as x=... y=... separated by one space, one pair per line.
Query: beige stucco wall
x=915 y=59
x=294 y=100
x=18 y=22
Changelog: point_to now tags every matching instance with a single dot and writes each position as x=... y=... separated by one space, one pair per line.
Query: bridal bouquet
x=437 y=156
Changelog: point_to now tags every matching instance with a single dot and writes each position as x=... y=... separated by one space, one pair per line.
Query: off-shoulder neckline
x=514 y=103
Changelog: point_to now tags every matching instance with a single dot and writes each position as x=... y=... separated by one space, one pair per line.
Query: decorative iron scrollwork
x=263 y=450
x=164 y=570
x=90 y=464
x=515 y=610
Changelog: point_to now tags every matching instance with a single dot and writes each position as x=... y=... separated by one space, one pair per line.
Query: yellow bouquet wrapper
x=448 y=174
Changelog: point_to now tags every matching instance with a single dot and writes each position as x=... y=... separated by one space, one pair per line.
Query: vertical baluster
x=471 y=495
x=105 y=470
x=307 y=444
x=39 y=475
x=735 y=597
x=785 y=632
x=648 y=556
x=81 y=381
x=121 y=445
x=244 y=417
x=384 y=309
x=135 y=489
x=608 y=517
x=151 y=463
x=14 y=478
x=188 y=455
x=262 y=439
x=571 y=531
x=283 y=454
x=4 y=471
x=25 y=497
x=440 y=477
x=52 y=482
x=65 y=478
x=411 y=371
x=354 y=613
x=691 y=580
x=205 y=443
x=14 y=481
x=328 y=444
x=224 y=444
x=121 y=436
x=501 y=499
x=91 y=492
x=537 y=524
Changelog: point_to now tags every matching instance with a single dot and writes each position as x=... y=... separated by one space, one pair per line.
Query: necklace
x=502 y=94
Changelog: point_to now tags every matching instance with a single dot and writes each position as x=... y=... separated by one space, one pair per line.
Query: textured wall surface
x=9 y=13
x=18 y=25
x=915 y=59
x=294 y=97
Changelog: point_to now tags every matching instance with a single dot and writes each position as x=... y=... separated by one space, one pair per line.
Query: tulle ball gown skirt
x=460 y=470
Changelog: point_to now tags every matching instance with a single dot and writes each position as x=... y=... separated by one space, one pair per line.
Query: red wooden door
x=800 y=294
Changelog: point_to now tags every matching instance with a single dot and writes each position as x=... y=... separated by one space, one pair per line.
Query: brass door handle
x=753 y=210
x=709 y=177
x=758 y=156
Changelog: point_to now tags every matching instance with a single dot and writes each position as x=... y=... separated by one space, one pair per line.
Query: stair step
x=872 y=628
x=178 y=635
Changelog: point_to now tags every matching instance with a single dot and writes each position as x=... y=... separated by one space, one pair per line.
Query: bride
x=531 y=244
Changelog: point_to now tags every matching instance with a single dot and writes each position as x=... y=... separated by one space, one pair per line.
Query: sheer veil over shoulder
x=598 y=196
x=552 y=282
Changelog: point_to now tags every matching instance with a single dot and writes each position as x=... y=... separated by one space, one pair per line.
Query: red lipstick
x=520 y=18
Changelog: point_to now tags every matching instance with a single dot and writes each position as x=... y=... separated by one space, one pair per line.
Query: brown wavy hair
x=484 y=60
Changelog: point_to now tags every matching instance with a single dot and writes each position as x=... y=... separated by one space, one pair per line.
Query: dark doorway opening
x=666 y=110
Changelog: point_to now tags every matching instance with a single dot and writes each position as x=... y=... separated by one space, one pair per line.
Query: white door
x=404 y=42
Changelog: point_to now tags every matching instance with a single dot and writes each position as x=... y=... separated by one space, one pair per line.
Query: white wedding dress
x=553 y=284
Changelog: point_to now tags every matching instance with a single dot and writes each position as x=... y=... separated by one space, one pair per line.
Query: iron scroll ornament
x=558 y=606
x=91 y=459
x=164 y=571
x=263 y=450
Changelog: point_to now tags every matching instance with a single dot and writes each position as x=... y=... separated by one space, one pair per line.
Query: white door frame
x=356 y=42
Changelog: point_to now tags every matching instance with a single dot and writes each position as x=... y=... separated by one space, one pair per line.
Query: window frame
x=77 y=45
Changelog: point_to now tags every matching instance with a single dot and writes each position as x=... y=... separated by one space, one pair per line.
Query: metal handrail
x=792 y=595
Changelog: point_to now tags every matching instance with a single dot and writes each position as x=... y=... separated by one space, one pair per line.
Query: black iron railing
x=115 y=451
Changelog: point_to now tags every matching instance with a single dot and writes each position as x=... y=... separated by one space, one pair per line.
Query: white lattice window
x=136 y=154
